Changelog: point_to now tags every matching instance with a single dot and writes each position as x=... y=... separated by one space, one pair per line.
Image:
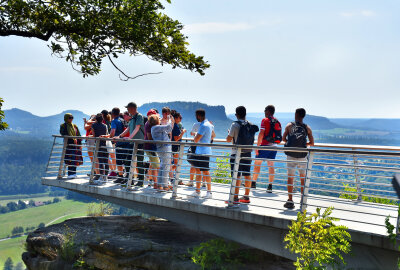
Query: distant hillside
x=382 y=124
x=24 y=122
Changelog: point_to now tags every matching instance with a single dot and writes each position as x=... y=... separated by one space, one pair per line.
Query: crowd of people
x=114 y=157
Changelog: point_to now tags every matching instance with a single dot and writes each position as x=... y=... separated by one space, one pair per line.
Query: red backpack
x=275 y=131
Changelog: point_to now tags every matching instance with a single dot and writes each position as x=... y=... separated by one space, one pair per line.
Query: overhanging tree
x=3 y=125
x=84 y=32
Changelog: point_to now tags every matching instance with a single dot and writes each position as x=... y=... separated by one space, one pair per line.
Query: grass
x=12 y=248
x=47 y=213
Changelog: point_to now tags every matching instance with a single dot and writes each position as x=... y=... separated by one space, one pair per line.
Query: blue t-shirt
x=205 y=129
x=176 y=131
x=117 y=125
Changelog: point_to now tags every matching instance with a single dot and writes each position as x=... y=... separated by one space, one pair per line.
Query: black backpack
x=275 y=131
x=246 y=133
x=297 y=137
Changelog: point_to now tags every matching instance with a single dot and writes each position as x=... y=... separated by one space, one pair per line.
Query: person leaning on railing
x=295 y=135
x=177 y=133
x=136 y=131
x=161 y=133
x=150 y=149
x=73 y=152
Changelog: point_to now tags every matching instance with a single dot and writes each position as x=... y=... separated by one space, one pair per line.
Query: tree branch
x=129 y=77
x=45 y=37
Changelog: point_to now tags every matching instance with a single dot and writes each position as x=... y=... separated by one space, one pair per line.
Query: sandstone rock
x=119 y=242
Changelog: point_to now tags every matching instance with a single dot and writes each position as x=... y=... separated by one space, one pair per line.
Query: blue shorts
x=266 y=154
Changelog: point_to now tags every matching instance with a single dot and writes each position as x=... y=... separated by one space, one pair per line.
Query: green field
x=12 y=248
x=47 y=213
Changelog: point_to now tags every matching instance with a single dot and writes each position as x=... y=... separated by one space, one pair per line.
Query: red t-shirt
x=266 y=126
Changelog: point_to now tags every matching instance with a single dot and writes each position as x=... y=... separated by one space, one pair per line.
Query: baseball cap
x=151 y=112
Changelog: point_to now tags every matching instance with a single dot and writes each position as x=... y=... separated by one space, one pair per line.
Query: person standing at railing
x=100 y=130
x=117 y=127
x=123 y=151
x=191 y=152
x=150 y=149
x=90 y=143
x=177 y=133
x=295 y=135
x=242 y=133
x=161 y=133
x=136 y=130
x=270 y=135
x=201 y=159
x=107 y=120
x=73 y=153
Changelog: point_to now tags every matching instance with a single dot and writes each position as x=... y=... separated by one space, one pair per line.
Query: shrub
x=214 y=254
x=99 y=210
x=67 y=248
x=318 y=240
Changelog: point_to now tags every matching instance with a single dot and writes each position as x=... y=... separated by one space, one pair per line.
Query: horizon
x=227 y=114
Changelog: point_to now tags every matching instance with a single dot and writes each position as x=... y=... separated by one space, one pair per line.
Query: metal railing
x=355 y=180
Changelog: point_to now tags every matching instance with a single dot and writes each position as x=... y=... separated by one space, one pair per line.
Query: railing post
x=178 y=172
x=234 y=177
x=94 y=160
x=51 y=152
x=304 y=196
x=64 y=150
x=357 y=177
x=132 y=167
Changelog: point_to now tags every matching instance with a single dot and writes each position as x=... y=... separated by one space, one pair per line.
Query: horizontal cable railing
x=356 y=180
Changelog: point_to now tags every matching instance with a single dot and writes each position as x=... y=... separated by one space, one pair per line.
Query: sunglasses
x=71 y=117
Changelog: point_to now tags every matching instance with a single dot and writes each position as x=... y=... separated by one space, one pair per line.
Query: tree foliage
x=317 y=240
x=3 y=125
x=84 y=32
x=8 y=265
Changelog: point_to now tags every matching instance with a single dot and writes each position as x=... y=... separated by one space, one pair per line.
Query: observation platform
x=363 y=174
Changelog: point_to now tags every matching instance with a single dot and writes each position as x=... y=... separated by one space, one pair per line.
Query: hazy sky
x=335 y=58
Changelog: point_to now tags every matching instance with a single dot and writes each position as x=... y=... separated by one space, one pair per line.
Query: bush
x=215 y=254
x=56 y=200
x=17 y=230
x=41 y=225
x=67 y=249
x=99 y=210
x=318 y=240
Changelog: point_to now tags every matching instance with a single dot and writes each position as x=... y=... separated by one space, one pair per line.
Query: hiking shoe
x=269 y=189
x=112 y=175
x=195 y=194
x=190 y=184
x=72 y=176
x=253 y=185
x=289 y=204
x=208 y=195
x=96 y=177
x=139 y=184
x=180 y=183
x=203 y=185
x=235 y=200
x=120 y=179
x=244 y=199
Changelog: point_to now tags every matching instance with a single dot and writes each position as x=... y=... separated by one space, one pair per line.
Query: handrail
x=320 y=148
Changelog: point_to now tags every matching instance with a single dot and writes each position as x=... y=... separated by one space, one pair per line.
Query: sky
x=334 y=58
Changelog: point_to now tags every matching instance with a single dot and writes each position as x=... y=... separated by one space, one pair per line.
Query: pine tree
x=8 y=265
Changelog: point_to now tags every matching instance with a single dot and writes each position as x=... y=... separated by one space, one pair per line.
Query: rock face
x=118 y=242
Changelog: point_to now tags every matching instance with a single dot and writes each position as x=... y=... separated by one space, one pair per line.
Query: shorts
x=90 y=145
x=154 y=159
x=124 y=152
x=201 y=162
x=292 y=166
x=244 y=164
x=110 y=147
x=266 y=154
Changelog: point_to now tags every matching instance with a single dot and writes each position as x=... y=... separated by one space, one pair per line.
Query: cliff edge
x=120 y=242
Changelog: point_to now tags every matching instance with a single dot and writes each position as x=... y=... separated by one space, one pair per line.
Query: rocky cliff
x=118 y=242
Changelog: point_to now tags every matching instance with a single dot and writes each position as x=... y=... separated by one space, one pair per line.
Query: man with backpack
x=295 y=135
x=242 y=133
x=270 y=135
